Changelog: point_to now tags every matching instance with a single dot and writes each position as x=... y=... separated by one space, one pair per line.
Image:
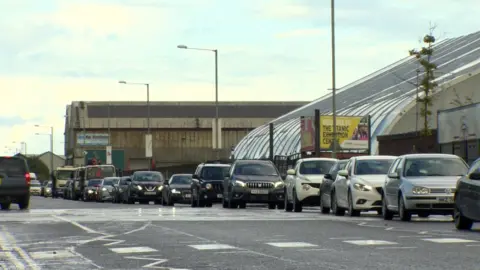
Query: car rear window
x=12 y=166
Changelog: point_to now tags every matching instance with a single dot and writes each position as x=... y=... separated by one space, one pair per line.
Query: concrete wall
x=467 y=86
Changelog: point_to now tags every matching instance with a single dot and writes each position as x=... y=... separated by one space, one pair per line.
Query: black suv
x=207 y=184
x=253 y=181
x=14 y=182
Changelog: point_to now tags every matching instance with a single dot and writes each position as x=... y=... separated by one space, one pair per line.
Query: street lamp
x=334 y=106
x=217 y=141
x=148 y=110
x=51 y=143
x=22 y=144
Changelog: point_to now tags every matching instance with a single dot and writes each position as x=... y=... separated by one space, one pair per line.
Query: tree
x=39 y=168
x=427 y=83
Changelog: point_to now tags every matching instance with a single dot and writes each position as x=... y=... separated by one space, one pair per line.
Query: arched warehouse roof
x=382 y=95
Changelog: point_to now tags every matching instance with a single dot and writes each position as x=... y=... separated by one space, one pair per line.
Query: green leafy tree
x=427 y=83
x=39 y=168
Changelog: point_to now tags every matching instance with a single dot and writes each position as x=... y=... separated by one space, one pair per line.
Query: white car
x=360 y=188
x=302 y=184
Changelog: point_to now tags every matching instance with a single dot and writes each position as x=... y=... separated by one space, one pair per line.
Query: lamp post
x=51 y=144
x=334 y=105
x=215 y=51
x=23 y=145
x=148 y=111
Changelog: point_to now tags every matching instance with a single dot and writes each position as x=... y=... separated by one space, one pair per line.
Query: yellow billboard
x=353 y=132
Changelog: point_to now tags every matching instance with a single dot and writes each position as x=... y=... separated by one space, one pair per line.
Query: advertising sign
x=109 y=154
x=458 y=124
x=307 y=134
x=353 y=132
x=92 y=139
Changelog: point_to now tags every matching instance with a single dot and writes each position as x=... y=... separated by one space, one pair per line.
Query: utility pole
x=334 y=105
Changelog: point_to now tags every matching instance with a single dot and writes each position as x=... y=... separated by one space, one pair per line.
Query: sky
x=53 y=52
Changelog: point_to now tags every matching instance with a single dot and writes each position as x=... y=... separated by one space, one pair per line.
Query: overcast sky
x=56 y=51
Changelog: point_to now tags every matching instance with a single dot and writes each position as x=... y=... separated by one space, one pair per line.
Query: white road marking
x=472 y=245
x=448 y=240
x=10 y=243
x=14 y=260
x=212 y=246
x=78 y=225
x=346 y=238
x=316 y=249
x=73 y=251
x=370 y=242
x=395 y=247
x=139 y=229
x=133 y=250
x=155 y=263
x=291 y=244
x=52 y=254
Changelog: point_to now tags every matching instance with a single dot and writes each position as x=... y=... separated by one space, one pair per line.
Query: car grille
x=217 y=187
x=442 y=190
x=259 y=185
x=149 y=187
x=379 y=190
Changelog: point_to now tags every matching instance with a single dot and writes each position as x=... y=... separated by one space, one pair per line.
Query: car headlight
x=362 y=187
x=175 y=191
x=90 y=191
x=120 y=189
x=279 y=184
x=208 y=186
x=420 y=190
x=306 y=187
x=139 y=187
x=104 y=189
x=239 y=183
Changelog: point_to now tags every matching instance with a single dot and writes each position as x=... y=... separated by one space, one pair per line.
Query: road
x=59 y=234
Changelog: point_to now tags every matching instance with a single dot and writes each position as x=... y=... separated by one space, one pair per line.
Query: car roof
x=318 y=158
x=147 y=172
x=253 y=161
x=374 y=157
x=430 y=155
x=216 y=165
x=182 y=174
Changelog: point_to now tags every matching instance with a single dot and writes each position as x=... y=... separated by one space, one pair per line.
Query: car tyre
x=242 y=205
x=386 y=214
x=461 y=222
x=5 y=206
x=224 y=203
x=288 y=205
x=24 y=202
x=351 y=211
x=297 y=205
x=193 y=201
x=337 y=210
x=280 y=206
x=272 y=206
x=405 y=215
x=323 y=209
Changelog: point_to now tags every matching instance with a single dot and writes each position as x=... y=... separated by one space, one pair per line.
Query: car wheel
x=5 y=206
x=272 y=206
x=337 y=211
x=461 y=222
x=24 y=202
x=386 y=214
x=280 y=206
x=297 y=205
x=242 y=205
x=351 y=211
x=224 y=203
x=288 y=205
x=323 y=209
x=193 y=201
x=405 y=215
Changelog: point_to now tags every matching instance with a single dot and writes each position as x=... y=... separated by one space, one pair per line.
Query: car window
x=316 y=166
x=12 y=166
x=373 y=166
x=475 y=167
x=417 y=167
x=108 y=182
x=265 y=169
x=393 y=168
x=214 y=172
x=181 y=180
x=148 y=177
x=92 y=183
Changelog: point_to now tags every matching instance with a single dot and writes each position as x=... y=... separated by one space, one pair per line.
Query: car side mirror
x=474 y=176
x=343 y=173
x=393 y=175
x=195 y=176
x=328 y=176
x=291 y=172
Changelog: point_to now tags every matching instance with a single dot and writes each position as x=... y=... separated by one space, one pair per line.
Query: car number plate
x=150 y=193
x=446 y=199
x=219 y=196
x=188 y=195
x=259 y=191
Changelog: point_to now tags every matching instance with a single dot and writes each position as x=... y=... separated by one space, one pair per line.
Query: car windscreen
x=181 y=180
x=261 y=169
x=49 y=185
x=35 y=184
x=316 y=166
x=372 y=166
x=92 y=183
x=148 y=177
x=417 y=167
x=108 y=182
x=13 y=167
x=64 y=175
x=214 y=172
x=100 y=172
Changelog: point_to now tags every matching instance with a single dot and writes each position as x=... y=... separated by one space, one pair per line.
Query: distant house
x=45 y=158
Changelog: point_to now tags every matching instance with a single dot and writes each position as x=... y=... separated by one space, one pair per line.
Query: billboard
x=307 y=134
x=92 y=139
x=353 y=132
x=458 y=124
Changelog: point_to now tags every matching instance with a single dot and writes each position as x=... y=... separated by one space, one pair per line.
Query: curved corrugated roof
x=382 y=95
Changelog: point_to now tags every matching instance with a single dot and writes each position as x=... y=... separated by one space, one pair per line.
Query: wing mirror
x=291 y=172
x=393 y=175
x=328 y=176
x=343 y=173
x=195 y=176
x=474 y=176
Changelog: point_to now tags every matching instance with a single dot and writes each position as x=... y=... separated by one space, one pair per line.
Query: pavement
x=61 y=234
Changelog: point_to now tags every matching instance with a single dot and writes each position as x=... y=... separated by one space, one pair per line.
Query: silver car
x=421 y=184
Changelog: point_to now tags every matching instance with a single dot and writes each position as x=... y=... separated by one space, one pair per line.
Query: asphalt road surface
x=59 y=234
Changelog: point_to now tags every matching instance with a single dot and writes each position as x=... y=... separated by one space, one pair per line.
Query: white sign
x=92 y=139
x=109 y=154
x=214 y=134
x=459 y=124
x=148 y=146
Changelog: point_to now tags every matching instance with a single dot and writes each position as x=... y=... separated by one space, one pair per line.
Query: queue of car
x=413 y=184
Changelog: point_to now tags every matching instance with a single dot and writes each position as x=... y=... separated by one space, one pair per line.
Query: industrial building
x=388 y=96
x=182 y=132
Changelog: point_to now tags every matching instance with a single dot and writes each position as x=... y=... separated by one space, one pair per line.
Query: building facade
x=182 y=132
x=388 y=96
